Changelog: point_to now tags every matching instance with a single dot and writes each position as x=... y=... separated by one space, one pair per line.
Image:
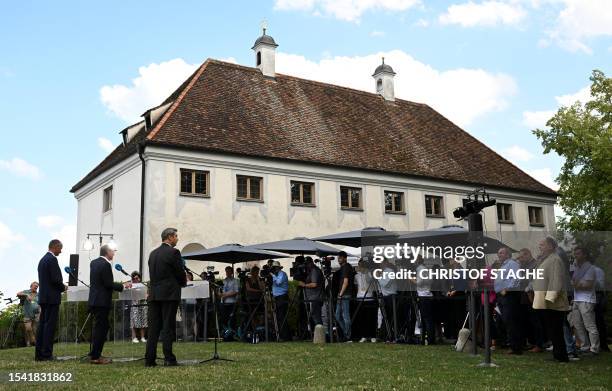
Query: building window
x=536 y=216
x=194 y=182
x=249 y=188
x=504 y=213
x=394 y=202
x=350 y=198
x=107 y=199
x=302 y=193
x=258 y=58
x=433 y=206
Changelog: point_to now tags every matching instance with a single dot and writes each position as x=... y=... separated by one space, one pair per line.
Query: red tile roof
x=234 y=109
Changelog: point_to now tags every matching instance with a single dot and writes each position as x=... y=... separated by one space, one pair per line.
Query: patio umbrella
x=298 y=246
x=356 y=238
x=233 y=253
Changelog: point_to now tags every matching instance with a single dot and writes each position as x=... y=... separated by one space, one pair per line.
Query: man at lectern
x=100 y=301
x=167 y=277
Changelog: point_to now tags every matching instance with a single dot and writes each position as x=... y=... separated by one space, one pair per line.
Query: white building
x=246 y=155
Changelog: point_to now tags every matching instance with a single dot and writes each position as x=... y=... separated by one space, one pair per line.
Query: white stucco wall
x=122 y=220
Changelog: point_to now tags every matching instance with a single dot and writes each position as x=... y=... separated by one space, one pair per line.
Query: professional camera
x=298 y=269
x=325 y=265
x=209 y=274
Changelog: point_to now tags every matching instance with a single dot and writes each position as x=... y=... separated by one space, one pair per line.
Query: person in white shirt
x=425 y=299
x=582 y=316
x=366 y=319
x=388 y=290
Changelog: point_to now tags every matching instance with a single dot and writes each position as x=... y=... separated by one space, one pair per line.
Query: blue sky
x=73 y=74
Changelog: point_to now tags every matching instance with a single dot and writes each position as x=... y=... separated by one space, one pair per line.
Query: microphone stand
x=215 y=356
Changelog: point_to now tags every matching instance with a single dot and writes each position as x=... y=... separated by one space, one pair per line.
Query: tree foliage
x=582 y=135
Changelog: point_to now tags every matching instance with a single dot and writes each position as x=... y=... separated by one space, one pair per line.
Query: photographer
x=228 y=298
x=254 y=288
x=313 y=291
x=31 y=312
x=343 y=305
x=280 y=292
x=366 y=317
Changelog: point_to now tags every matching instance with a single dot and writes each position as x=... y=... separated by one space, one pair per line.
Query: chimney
x=383 y=76
x=265 y=54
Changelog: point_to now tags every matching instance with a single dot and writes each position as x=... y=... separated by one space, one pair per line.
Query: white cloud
x=544 y=176
x=487 y=13
x=580 y=20
x=583 y=95
x=460 y=94
x=20 y=167
x=377 y=33
x=154 y=83
x=9 y=238
x=517 y=153
x=422 y=23
x=106 y=145
x=538 y=119
x=347 y=10
x=49 y=221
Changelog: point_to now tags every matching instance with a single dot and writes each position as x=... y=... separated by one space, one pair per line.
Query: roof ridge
x=177 y=101
x=317 y=82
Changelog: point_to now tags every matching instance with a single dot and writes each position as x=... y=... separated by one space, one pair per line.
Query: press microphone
x=70 y=271
x=119 y=268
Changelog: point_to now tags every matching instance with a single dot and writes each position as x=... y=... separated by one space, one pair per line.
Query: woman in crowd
x=138 y=312
x=366 y=317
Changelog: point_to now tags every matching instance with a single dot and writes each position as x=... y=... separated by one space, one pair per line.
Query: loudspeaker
x=74 y=265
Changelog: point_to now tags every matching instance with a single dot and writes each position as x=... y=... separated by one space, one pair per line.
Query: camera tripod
x=265 y=298
x=381 y=306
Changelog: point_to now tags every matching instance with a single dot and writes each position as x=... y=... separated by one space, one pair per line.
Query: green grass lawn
x=296 y=365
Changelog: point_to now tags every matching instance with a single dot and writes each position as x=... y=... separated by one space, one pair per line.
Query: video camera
x=209 y=274
x=298 y=269
x=325 y=265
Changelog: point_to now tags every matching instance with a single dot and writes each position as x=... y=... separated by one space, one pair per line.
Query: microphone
x=68 y=269
x=119 y=268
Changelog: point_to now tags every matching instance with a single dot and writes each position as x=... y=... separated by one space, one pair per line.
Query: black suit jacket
x=166 y=274
x=101 y=284
x=51 y=283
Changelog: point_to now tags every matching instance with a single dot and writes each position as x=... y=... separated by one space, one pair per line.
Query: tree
x=582 y=135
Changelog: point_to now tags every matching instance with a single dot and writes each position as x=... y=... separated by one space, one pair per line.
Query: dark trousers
x=228 y=315
x=553 y=323
x=366 y=319
x=100 y=330
x=427 y=320
x=510 y=309
x=455 y=311
x=391 y=316
x=600 y=320
x=282 y=306
x=46 y=331
x=315 y=307
x=162 y=321
x=531 y=325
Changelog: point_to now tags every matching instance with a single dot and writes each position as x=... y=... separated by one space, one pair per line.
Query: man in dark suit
x=49 y=297
x=100 y=300
x=167 y=277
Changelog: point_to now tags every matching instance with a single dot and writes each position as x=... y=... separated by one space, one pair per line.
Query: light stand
x=471 y=210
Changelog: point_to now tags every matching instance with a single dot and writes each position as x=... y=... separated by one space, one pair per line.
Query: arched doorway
x=196 y=266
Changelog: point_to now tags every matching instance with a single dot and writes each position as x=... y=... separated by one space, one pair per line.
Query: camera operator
x=228 y=298
x=31 y=312
x=347 y=279
x=280 y=292
x=367 y=316
x=313 y=291
x=254 y=288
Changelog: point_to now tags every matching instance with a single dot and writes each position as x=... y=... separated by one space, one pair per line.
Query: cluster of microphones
x=70 y=271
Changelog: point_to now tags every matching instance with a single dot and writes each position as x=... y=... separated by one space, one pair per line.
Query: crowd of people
x=564 y=311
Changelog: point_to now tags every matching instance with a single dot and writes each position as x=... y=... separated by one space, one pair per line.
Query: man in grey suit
x=167 y=277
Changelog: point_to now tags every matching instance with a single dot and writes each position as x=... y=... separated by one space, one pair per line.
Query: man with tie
x=51 y=286
x=167 y=277
x=100 y=300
